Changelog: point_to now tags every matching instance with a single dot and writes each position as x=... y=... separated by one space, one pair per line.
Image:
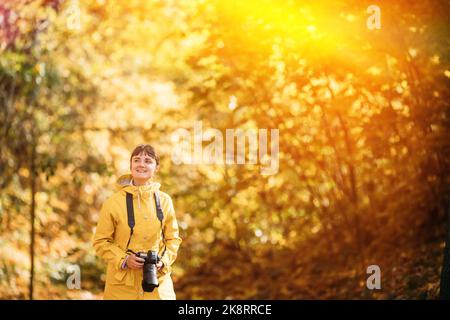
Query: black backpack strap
x=159 y=212
x=130 y=213
x=160 y=215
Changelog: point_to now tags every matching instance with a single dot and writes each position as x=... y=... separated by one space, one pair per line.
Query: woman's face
x=143 y=167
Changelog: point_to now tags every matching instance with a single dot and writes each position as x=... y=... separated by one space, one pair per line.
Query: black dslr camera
x=150 y=279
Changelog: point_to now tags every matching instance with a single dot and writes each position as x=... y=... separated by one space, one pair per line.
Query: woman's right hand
x=134 y=262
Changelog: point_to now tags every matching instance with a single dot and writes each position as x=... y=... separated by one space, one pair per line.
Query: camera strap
x=131 y=222
x=160 y=215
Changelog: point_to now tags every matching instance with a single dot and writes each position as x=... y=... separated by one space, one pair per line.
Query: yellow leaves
x=73 y=16
x=311 y=29
x=277 y=238
x=13 y=256
x=316 y=228
x=350 y=17
x=412 y=52
x=289 y=124
x=24 y=172
x=59 y=204
x=327 y=151
x=62 y=245
x=40 y=69
x=214 y=173
x=356 y=130
x=356 y=106
x=208 y=60
x=208 y=235
x=317 y=109
x=164 y=95
x=224 y=223
x=96 y=37
x=290 y=90
x=233 y=103
x=375 y=71
x=316 y=203
x=435 y=59
x=397 y=105
x=296 y=108
x=316 y=82
x=306 y=138
x=304 y=195
x=335 y=86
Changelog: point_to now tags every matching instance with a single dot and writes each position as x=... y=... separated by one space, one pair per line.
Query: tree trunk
x=445 y=273
x=32 y=213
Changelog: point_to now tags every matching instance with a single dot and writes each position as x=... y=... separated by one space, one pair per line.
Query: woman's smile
x=143 y=167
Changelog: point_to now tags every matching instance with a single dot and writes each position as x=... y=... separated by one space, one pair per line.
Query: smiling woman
x=143 y=164
x=128 y=236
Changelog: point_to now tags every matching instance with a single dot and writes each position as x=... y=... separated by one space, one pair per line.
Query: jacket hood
x=124 y=183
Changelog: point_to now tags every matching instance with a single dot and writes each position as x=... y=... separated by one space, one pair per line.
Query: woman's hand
x=134 y=262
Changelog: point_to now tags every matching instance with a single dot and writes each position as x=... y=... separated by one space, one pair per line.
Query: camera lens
x=150 y=279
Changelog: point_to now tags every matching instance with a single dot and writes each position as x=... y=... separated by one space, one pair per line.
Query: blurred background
x=363 y=115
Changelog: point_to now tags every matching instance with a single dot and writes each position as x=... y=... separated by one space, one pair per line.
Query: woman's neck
x=139 y=183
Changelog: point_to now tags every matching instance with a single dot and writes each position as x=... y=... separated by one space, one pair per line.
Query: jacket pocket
x=123 y=277
x=119 y=276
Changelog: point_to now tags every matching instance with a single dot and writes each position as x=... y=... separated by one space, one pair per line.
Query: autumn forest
x=352 y=98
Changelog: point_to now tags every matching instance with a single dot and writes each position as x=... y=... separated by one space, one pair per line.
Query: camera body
x=150 y=277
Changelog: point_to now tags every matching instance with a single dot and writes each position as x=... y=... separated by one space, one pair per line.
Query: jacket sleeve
x=171 y=235
x=104 y=244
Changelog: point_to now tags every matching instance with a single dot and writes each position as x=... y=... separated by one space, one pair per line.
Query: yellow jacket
x=112 y=234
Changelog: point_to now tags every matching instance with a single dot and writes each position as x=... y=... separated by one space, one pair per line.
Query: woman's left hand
x=159 y=265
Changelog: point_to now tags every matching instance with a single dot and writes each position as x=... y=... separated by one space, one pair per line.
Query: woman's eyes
x=146 y=161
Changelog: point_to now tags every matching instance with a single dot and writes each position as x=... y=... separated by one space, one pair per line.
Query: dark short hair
x=145 y=149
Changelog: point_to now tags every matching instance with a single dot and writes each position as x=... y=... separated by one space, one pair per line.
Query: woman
x=116 y=239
